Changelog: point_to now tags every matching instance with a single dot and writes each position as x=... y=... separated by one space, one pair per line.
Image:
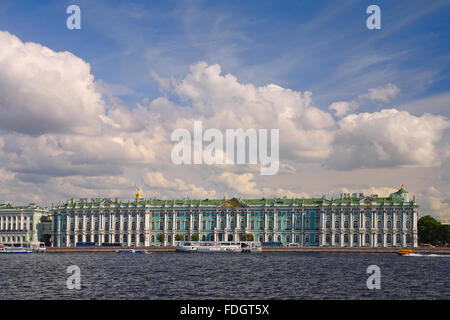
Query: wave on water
x=427 y=255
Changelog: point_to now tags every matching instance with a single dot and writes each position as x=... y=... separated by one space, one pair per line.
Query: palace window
x=398 y=239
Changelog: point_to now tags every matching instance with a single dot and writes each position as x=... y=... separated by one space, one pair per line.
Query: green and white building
x=21 y=224
x=350 y=221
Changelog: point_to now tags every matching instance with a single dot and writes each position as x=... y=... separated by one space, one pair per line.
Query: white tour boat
x=214 y=246
x=4 y=249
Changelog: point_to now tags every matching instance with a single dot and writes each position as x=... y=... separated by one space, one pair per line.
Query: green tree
x=432 y=231
x=161 y=237
x=195 y=237
x=248 y=237
x=179 y=237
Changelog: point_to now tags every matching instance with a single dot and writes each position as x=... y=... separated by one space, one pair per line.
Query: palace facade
x=349 y=221
x=23 y=224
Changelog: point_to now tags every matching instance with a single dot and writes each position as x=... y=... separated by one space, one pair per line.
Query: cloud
x=384 y=94
x=387 y=138
x=436 y=203
x=58 y=139
x=240 y=183
x=43 y=91
x=341 y=108
x=175 y=188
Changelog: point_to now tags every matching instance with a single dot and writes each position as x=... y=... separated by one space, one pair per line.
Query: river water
x=223 y=276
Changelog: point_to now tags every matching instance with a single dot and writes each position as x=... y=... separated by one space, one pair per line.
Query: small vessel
x=404 y=252
x=132 y=251
x=125 y=251
x=213 y=246
x=4 y=249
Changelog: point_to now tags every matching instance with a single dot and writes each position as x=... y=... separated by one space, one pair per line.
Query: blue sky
x=319 y=46
x=379 y=114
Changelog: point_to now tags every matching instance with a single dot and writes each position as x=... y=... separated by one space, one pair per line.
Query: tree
x=248 y=237
x=161 y=237
x=179 y=237
x=195 y=237
x=432 y=231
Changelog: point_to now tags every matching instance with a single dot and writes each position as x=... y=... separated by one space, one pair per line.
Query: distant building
x=350 y=221
x=20 y=224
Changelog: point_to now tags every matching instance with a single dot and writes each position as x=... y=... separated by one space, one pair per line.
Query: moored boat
x=132 y=251
x=5 y=250
x=213 y=246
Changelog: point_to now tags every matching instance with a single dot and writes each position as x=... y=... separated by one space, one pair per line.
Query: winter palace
x=349 y=221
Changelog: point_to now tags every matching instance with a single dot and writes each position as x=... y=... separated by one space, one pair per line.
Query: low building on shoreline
x=350 y=221
x=21 y=224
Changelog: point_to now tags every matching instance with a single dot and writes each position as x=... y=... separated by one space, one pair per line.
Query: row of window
x=368 y=223
x=337 y=238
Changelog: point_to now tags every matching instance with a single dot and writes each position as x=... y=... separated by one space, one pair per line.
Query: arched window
x=389 y=224
x=379 y=224
x=367 y=238
x=279 y=239
x=399 y=224
x=328 y=224
x=408 y=238
x=346 y=238
x=398 y=238
x=367 y=224
x=389 y=238
x=346 y=224
x=355 y=224
x=288 y=239
x=336 y=238
x=379 y=238
x=261 y=238
x=355 y=238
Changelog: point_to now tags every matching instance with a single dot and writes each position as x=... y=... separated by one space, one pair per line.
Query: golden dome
x=138 y=193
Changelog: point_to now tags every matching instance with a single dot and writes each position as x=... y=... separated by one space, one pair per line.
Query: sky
x=90 y=112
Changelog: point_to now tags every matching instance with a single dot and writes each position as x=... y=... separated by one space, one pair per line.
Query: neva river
x=223 y=276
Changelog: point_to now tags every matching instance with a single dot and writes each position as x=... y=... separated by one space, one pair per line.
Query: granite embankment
x=265 y=249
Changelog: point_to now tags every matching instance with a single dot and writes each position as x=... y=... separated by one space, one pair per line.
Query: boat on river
x=404 y=252
x=132 y=251
x=214 y=246
x=12 y=250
